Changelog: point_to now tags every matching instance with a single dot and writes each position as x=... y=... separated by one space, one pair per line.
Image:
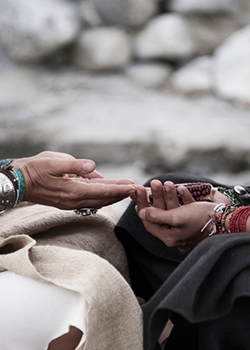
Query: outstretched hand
x=60 y=180
x=175 y=225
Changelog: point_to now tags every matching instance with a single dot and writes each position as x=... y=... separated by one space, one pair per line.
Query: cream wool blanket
x=81 y=254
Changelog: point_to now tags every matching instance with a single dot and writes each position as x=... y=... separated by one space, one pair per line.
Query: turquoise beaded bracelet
x=21 y=184
x=6 y=162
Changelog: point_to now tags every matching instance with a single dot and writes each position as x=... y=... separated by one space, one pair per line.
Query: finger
x=124 y=181
x=141 y=197
x=186 y=196
x=78 y=167
x=94 y=174
x=158 y=194
x=157 y=216
x=162 y=231
x=96 y=190
x=104 y=181
x=171 y=197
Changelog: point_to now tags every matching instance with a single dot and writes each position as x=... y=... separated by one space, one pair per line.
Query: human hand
x=175 y=225
x=52 y=179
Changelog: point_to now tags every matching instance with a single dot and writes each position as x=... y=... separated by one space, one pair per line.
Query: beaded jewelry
x=224 y=220
x=216 y=219
x=6 y=162
x=21 y=183
x=238 y=220
x=229 y=193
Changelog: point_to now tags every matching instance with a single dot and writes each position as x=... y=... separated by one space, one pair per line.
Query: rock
x=129 y=13
x=31 y=30
x=166 y=36
x=209 y=32
x=103 y=49
x=149 y=74
x=205 y=6
x=232 y=67
x=194 y=77
x=88 y=14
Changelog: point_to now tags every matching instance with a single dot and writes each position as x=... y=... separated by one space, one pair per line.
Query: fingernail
x=136 y=208
x=138 y=191
x=180 y=190
x=131 y=191
x=142 y=213
x=154 y=187
x=88 y=167
x=167 y=188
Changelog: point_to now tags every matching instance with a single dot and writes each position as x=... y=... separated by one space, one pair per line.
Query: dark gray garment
x=203 y=292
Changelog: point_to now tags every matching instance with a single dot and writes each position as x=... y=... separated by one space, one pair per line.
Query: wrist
x=217 y=219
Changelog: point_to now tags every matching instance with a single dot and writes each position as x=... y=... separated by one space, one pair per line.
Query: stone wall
x=182 y=46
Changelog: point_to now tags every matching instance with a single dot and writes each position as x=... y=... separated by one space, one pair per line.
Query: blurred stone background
x=139 y=86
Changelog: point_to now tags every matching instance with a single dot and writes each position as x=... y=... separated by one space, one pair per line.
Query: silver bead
x=240 y=190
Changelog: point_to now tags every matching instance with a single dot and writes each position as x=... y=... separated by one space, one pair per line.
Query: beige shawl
x=81 y=254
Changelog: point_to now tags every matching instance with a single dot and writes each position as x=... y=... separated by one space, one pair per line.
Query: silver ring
x=85 y=211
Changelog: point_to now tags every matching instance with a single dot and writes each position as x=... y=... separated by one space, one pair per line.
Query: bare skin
x=175 y=225
x=67 y=341
x=52 y=178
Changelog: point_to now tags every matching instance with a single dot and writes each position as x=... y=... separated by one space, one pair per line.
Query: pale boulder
x=166 y=37
x=129 y=13
x=103 y=48
x=30 y=30
x=194 y=77
x=232 y=67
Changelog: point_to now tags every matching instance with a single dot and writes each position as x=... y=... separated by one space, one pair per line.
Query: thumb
x=76 y=167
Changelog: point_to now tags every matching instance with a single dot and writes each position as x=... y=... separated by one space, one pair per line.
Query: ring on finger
x=85 y=211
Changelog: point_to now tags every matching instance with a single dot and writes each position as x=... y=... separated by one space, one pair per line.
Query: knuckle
x=104 y=194
x=152 y=216
x=172 y=220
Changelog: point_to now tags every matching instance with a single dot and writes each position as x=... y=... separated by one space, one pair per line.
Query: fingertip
x=139 y=190
x=181 y=190
x=142 y=214
x=125 y=181
x=88 y=166
x=168 y=185
x=155 y=184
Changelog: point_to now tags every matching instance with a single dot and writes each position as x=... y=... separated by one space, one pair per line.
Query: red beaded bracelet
x=238 y=220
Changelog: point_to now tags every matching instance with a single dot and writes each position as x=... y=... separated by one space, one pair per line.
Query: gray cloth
x=205 y=287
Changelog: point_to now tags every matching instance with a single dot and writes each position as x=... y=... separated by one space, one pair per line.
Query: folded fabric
x=81 y=254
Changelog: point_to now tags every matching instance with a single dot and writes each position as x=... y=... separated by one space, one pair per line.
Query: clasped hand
x=174 y=224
